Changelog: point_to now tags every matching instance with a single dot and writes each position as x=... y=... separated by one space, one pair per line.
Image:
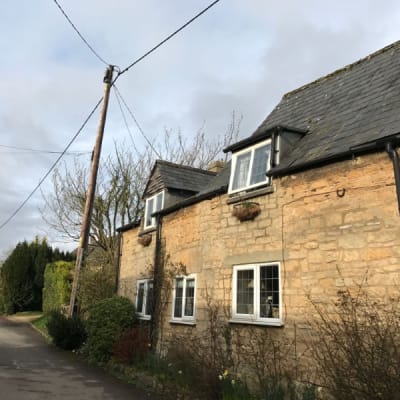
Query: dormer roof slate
x=179 y=177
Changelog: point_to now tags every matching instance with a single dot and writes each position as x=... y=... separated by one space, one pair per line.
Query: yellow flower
x=233 y=382
x=226 y=373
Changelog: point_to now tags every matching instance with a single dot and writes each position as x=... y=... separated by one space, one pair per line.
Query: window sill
x=256 y=322
x=181 y=322
x=245 y=195
x=144 y=317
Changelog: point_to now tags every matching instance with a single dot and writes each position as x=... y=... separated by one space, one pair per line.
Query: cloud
x=240 y=56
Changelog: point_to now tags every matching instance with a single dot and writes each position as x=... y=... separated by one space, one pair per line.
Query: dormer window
x=153 y=204
x=249 y=167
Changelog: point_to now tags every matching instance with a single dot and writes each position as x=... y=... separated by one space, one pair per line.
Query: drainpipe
x=396 y=168
x=157 y=283
x=118 y=264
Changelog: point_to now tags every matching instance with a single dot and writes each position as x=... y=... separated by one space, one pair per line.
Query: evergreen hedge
x=57 y=285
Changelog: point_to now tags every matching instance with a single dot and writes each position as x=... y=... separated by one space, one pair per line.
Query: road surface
x=30 y=369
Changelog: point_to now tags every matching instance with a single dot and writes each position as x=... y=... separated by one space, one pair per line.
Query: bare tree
x=120 y=185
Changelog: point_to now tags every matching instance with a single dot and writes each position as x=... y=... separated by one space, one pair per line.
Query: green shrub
x=66 y=333
x=108 y=319
x=57 y=285
x=96 y=282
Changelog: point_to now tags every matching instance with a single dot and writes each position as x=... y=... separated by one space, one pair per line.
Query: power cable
x=166 y=39
x=125 y=121
x=52 y=167
x=79 y=34
x=27 y=149
x=119 y=97
x=98 y=103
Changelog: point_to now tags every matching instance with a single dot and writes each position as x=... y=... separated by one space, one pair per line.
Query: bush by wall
x=57 y=285
x=107 y=320
x=133 y=345
x=66 y=333
x=357 y=346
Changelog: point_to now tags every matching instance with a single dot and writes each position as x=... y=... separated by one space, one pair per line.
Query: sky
x=240 y=56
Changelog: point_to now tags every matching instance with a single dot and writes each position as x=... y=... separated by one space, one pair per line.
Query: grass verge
x=40 y=324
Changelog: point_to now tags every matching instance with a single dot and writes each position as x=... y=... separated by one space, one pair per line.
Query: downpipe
x=396 y=168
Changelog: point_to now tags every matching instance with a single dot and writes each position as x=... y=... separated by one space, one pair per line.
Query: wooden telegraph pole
x=85 y=229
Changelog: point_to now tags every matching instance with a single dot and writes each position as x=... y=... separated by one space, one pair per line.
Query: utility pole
x=85 y=229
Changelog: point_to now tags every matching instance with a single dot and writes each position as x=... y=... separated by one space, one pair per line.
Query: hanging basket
x=145 y=239
x=246 y=211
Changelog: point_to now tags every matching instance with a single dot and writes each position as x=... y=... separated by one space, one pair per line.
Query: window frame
x=146 y=213
x=184 y=319
x=255 y=317
x=142 y=314
x=250 y=150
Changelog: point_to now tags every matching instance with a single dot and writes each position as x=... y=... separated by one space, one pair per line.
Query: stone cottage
x=313 y=191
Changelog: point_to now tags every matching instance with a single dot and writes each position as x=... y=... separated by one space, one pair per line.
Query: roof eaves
x=255 y=138
x=127 y=227
x=371 y=146
x=192 y=200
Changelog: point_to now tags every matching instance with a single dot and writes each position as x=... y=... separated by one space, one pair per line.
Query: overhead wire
x=29 y=150
x=79 y=34
x=120 y=98
x=120 y=72
x=166 y=39
x=53 y=166
x=125 y=121
x=126 y=69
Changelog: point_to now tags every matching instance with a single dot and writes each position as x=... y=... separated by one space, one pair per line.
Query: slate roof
x=357 y=104
x=220 y=182
x=340 y=112
x=175 y=176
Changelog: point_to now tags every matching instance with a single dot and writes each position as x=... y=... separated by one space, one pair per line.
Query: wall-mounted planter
x=145 y=239
x=246 y=211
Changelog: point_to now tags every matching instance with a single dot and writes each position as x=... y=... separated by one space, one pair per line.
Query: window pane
x=149 y=211
x=178 y=298
x=189 y=298
x=269 y=291
x=159 y=200
x=149 y=299
x=241 y=171
x=260 y=164
x=245 y=292
x=140 y=298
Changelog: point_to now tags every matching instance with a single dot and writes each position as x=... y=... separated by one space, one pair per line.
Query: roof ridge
x=195 y=169
x=342 y=69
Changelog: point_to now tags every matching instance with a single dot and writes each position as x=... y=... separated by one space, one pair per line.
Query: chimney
x=216 y=166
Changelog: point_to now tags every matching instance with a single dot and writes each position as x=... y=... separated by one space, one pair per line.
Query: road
x=30 y=369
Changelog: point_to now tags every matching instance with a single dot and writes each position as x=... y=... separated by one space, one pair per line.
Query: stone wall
x=330 y=227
